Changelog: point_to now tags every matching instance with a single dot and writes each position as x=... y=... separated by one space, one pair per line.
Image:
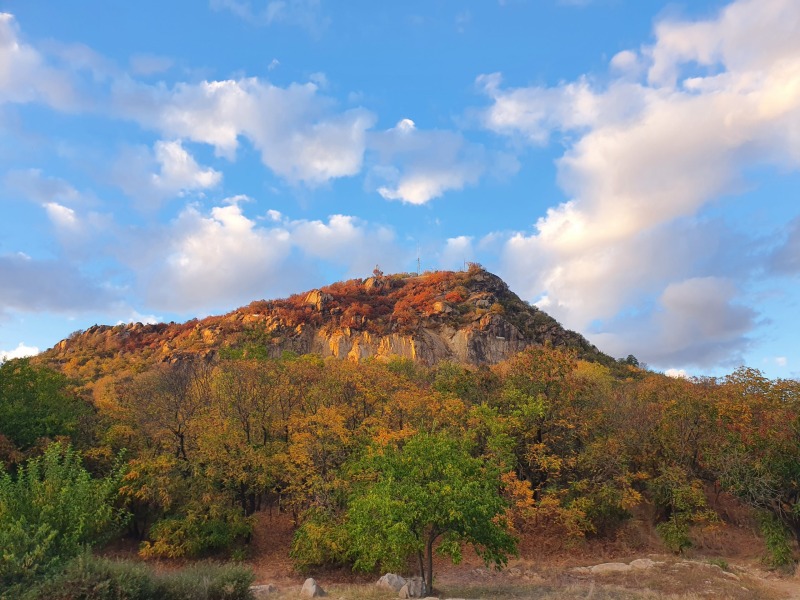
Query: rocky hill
x=469 y=317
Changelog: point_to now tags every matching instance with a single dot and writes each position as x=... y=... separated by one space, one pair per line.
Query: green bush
x=777 y=541
x=50 y=512
x=90 y=578
x=201 y=531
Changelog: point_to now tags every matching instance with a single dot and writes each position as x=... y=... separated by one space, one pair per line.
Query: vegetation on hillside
x=147 y=433
x=544 y=443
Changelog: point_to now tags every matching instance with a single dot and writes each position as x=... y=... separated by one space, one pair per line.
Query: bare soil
x=725 y=563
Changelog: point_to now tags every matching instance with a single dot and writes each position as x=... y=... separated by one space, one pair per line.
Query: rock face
x=466 y=317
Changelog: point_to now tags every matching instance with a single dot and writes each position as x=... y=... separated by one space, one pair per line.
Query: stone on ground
x=311 y=589
x=390 y=581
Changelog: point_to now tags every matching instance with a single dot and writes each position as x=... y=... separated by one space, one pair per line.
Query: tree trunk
x=429 y=575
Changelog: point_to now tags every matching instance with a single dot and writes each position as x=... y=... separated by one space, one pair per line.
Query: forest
x=383 y=464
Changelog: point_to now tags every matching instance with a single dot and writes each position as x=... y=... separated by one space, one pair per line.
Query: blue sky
x=631 y=166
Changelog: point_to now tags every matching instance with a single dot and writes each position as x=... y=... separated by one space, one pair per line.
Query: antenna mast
x=419 y=270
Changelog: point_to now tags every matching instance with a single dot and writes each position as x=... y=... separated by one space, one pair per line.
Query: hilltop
x=469 y=317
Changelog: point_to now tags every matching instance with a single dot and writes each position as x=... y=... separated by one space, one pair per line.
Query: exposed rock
x=392 y=582
x=442 y=308
x=605 y=568
x=261 y=592
x=318 y=299
x=311 y=589
x=414 y=588
x=375 y=284
x=644 y=563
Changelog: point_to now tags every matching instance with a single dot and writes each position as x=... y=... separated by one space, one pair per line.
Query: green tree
x=50 y=512
x=431 y=489
x=36 y=402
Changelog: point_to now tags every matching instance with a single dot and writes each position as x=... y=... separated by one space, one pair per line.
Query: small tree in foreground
x=429 y=490
x=50 y=512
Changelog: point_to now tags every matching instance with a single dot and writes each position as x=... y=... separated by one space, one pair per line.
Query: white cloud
x=456 y=251
x=21 y=351
x=137 y=317
x=214 y=261
x=643 y=159
x=781 y=361
x=416 y=166
x=179 y=171
x=24 y=74
x=62 y=216
x=677 y=373
x=298 y=132
x=168 y=171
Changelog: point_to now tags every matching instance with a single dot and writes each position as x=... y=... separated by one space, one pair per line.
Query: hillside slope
x=469 y=317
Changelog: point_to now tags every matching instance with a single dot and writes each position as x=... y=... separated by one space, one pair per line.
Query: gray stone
x=414 y=588
x=390 y=581
x=311 y=589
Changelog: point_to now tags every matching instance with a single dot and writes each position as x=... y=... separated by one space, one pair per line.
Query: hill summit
x=469 y=317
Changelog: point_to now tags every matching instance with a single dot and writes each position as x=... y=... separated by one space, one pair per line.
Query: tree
x=51 y=511
x=431 y=489
x=36 y=402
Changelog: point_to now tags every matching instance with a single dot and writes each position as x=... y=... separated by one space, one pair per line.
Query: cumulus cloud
x=644 y=157
x=25 y=75
x=223 y=258
x=416 y=166
x=21 y=351
x=456 y=251
x=166 y=171
x=300 y=135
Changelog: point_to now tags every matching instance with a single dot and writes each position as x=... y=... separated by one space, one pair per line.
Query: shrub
x=199 y=532
x=50 y=512
x=777 y=541
x=91 y=578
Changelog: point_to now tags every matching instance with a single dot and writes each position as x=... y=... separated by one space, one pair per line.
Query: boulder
x=261 y=592
x=414 y=588
x=390 y=581
x=311 y=589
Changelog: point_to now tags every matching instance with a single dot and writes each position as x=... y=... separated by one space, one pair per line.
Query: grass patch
x=91 y=578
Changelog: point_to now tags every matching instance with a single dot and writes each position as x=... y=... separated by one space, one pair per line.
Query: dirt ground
x=724 y=563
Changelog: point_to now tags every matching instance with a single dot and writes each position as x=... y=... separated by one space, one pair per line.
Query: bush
x=199 y=532
x=50 y=512
x=90 y=578
x=777 y=541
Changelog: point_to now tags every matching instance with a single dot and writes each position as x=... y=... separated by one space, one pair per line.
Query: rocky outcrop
x=465 y=317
